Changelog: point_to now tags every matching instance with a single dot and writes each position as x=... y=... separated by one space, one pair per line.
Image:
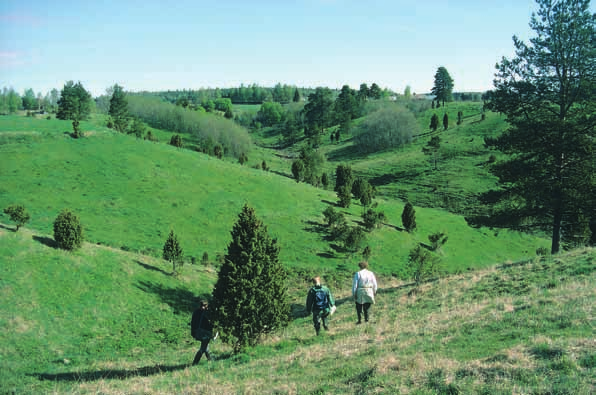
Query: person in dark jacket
x=202 y=330
x=319 y=301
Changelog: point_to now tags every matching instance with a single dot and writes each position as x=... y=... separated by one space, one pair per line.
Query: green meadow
x=110 y=318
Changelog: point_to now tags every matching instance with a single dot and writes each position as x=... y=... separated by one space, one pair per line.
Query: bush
x=354 y=238
x=422 y=264
x=176 y=141
x=373 y=219
x=68 y=231
x=408 y=217
x=17 y=214
x=387 y=128
x=243 y=158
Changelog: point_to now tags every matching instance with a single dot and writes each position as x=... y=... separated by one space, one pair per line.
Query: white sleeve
x=374 y=282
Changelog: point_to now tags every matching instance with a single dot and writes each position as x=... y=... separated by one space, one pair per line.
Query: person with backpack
x=364 y=289
x=319 y=302
x=201 y=329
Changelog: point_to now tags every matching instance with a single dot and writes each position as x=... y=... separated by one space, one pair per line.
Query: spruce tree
x=445 y=121
x=408 y=217
x=250 y=296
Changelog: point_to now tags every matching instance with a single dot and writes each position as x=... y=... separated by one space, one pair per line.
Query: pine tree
x=548 y=94
x=250 y=296
x=445 y=121
x=172 y=252
x=443 y=87
x=408 y=217
x=119 y=109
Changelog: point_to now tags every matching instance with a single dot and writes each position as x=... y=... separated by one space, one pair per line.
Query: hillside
x=101 y=320
x=130 y=193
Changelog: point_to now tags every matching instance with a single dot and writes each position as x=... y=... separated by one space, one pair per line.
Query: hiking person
x=319 y=301
x=364 y=289
x=201 y=329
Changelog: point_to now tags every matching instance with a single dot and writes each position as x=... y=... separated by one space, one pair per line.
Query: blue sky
x=158 y=45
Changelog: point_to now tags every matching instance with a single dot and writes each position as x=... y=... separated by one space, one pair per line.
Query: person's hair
x=204 y=303
x=363 y=265
x=316 y=280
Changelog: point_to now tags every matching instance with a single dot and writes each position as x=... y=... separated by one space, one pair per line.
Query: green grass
x=110 y=318
x=101 y=320
x=129 y=193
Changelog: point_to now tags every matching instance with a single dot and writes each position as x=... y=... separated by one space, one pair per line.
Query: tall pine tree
x=443 y=87
x=119 y=109
x=249 y=297
x=548 y=94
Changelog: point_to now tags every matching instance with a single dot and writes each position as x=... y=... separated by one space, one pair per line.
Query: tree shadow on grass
x=149 y=267
x=181 y=300
x=47 y=241
x=119 y=374
x=10 y=228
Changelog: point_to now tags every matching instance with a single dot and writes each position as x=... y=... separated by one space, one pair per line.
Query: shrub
x=205 y=259
x=333 y=217
x=172 y=252
x=422 y=264
x=354 y=238
x=17 y=214
x=373 y=219
x=176 y=141
x=437 y=240
x=345 y=196
x=366 y=253
x=408 y=217
x=68 y=231
x=243 y=158
x=151 y=137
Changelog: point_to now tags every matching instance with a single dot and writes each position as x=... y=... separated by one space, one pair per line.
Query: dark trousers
x=317 y=317
x=362 y=308
x=203 y=350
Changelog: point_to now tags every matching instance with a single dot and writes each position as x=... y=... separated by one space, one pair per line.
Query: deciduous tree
x=18 y=214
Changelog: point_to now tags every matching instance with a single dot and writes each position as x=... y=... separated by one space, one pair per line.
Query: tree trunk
x=556 y=237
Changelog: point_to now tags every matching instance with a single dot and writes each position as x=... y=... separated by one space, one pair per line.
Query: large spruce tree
x=443 y=86
x=548 y=94
x=249 y=297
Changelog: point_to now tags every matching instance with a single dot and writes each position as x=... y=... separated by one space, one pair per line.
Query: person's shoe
x=325 y=327
x=359 y=322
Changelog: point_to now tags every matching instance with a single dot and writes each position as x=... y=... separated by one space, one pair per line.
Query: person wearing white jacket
x=364 y=289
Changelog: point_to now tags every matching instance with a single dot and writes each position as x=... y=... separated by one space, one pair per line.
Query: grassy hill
x=101 y=320
x=110 y=318
x=130 y=193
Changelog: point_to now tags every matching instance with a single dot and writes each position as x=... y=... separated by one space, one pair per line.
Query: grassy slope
x=130 y=193
x=106 y=321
